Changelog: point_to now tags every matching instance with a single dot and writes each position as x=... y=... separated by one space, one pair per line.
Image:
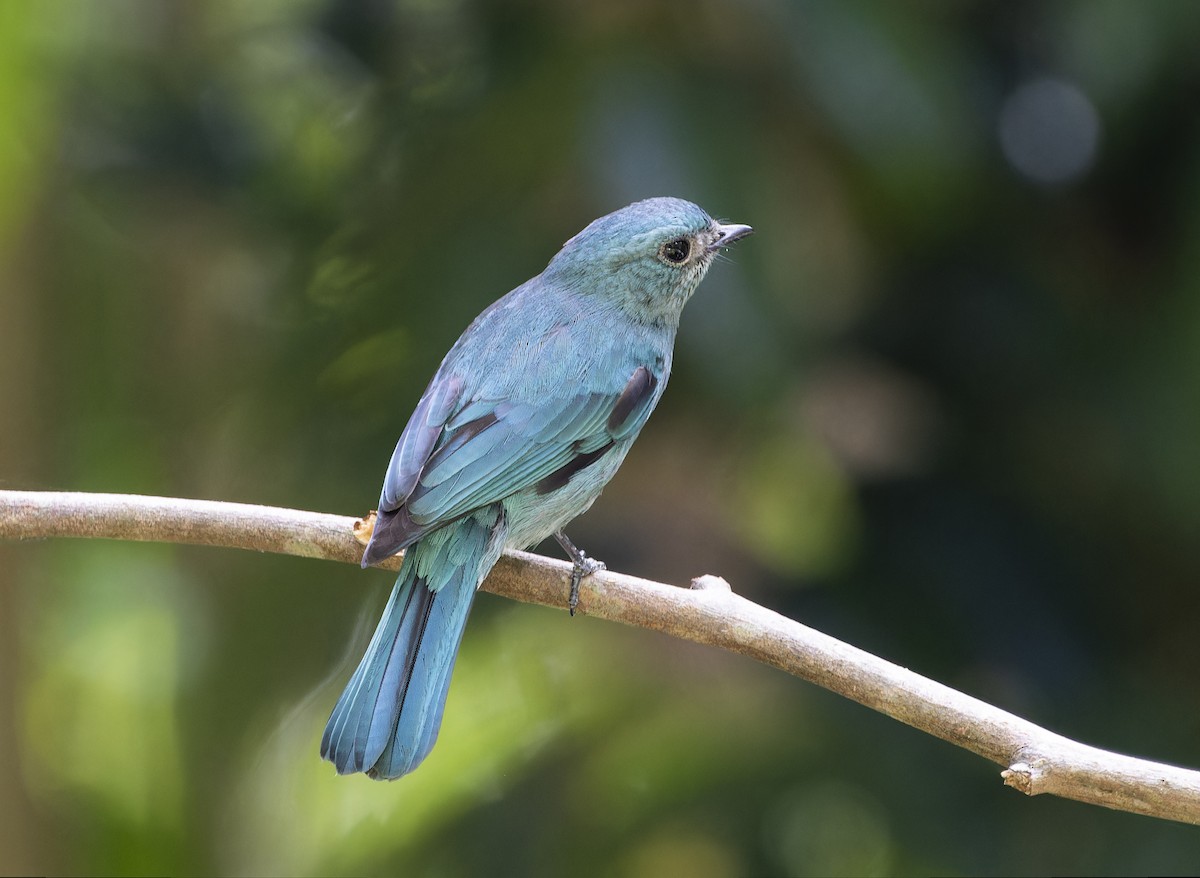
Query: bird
x=526 y=420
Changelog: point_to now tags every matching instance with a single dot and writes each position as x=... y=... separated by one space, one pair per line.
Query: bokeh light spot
x=1049 y=131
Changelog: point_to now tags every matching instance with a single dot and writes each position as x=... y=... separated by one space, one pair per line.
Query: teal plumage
x=530 y=414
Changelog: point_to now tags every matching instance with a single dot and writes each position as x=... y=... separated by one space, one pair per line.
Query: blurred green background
x=944 y=405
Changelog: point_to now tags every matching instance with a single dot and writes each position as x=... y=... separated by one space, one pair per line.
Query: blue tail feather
x=388 y=717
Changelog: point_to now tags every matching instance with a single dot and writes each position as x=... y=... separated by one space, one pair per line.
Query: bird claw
x=581 y=567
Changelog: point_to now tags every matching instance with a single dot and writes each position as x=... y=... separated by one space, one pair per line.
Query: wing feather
x=418 y=440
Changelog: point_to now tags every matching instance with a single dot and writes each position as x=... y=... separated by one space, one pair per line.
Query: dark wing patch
x=462 y=435
x=637 y=393
x=562 y=475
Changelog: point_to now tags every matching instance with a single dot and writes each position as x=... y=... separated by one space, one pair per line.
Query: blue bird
x=527 y=419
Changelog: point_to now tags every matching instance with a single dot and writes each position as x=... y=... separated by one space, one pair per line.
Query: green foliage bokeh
x=944 y=405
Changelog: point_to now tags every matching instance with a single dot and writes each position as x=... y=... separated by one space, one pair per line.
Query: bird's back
x=543 y=341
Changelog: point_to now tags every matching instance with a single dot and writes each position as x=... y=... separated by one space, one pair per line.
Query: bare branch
x=1036 y=760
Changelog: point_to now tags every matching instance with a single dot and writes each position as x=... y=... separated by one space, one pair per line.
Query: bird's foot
x=582 y=566
x=585 y=567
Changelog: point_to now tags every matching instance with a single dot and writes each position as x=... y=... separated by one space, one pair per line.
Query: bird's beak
x=727 y=234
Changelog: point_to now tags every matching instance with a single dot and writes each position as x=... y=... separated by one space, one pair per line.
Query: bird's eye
x=676 y=251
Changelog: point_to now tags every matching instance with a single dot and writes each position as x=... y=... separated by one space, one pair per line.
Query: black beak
x=727 y=234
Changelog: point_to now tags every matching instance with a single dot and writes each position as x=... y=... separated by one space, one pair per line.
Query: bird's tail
x=386 y=721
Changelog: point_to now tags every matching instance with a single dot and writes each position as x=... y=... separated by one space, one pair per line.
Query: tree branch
x=1036 y=760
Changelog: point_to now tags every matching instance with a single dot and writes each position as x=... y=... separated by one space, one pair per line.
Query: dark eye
x=676 y=251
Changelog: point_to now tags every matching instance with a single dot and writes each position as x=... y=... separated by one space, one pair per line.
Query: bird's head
x=648 y=258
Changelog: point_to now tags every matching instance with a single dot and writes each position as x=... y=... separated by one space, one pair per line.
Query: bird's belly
x=531 y=517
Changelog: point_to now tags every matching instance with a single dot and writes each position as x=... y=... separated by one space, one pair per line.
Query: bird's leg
x=584 y=566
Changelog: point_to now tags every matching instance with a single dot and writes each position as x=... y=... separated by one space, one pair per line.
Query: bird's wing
x=460 y=455
x=420 y=436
